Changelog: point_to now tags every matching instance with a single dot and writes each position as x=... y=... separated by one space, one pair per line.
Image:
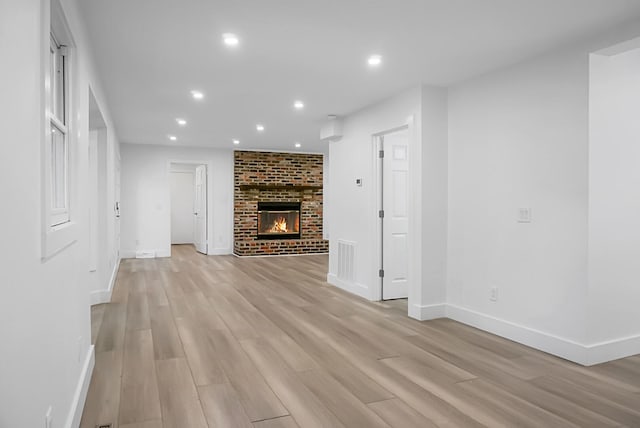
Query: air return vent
x=346 y=260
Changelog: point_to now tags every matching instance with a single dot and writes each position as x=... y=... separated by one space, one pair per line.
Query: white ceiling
x=152 y=53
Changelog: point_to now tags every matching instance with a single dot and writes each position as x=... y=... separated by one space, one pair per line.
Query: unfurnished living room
x=250 y=213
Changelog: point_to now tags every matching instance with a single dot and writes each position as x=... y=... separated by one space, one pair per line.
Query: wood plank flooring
x=198 y=341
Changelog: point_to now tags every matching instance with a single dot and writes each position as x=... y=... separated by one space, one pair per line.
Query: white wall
x=432 y=228
x=103 y=224
x=614 y=205
x=519 y=138
x=181 y=185
x=44 y=307
x=352 y=209
x=146 y=218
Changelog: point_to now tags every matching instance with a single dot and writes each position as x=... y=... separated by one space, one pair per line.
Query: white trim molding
x=80 y=395
x=128 y=254
x=104 y=296
x=163 y=253
x=428 y=312
x=352 y=287
x=587 y=355
x=612 y=350
x=542 y=341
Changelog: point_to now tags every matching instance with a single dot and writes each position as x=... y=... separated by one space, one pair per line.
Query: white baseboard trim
x=99 y=297
x=80 y=395
x=163 y=253
x=546 y=342
x=587 y=355
x=128 y=254
x=428 y=312
x=104 y=296
x=145 y=254
x=613 y=350
x=131 y=254
x=352 y=287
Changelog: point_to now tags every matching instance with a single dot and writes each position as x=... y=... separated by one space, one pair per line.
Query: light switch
x=359 y=182
x=524 y=215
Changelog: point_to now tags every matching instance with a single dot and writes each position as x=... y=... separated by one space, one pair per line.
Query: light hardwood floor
x=197 y=341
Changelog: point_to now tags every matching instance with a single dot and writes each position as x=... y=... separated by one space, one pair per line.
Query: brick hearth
x=277 y=177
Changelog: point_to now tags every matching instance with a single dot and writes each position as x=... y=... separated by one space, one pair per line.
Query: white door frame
x=199 y=206
x=209 y=224
x=415 y=211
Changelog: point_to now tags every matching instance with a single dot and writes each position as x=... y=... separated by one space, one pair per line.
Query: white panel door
x=395 y=223
x=200 y=209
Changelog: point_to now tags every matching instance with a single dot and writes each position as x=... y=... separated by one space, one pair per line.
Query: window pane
x=58 y=169
x=57 y=79
x=60 y=90
x=52 y=75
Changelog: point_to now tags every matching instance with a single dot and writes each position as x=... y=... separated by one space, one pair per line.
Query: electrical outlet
x=524 y=215
x=494 y=294
x=48 y=417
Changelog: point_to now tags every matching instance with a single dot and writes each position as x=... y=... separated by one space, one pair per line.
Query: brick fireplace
x=284 y=191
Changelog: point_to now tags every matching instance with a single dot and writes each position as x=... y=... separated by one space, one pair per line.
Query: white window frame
x=58 y=123
x=59 y=228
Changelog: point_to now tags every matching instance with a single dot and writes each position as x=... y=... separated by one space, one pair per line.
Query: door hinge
x=381 y=273
x=381 y=213
x=381 y=154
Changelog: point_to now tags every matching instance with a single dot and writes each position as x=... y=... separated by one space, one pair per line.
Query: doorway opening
x=101 y=224
x=188 y=194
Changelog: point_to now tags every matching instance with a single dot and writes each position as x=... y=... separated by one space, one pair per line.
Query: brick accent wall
x=277 y=177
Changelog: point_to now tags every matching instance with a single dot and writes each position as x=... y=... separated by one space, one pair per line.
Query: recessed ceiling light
x=230 y=39
x=374 y=60
x=260 y=127
x=173 y=137
x=298 y=105
x=298 y=145
x=236 y=142
x=181 y=122
x=197 y=95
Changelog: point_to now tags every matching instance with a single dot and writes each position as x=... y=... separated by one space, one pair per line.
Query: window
x=59 y=141
x=59 y=152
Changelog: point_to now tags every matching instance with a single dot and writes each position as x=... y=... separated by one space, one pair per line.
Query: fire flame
x=279 y=225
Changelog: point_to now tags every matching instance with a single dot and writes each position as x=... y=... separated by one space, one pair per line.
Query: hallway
x=197 y=341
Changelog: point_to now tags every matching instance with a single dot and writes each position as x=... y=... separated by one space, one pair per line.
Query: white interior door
x=200 y=209
x=395 y=219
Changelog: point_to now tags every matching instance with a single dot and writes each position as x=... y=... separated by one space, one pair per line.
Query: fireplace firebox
x=278 y=220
